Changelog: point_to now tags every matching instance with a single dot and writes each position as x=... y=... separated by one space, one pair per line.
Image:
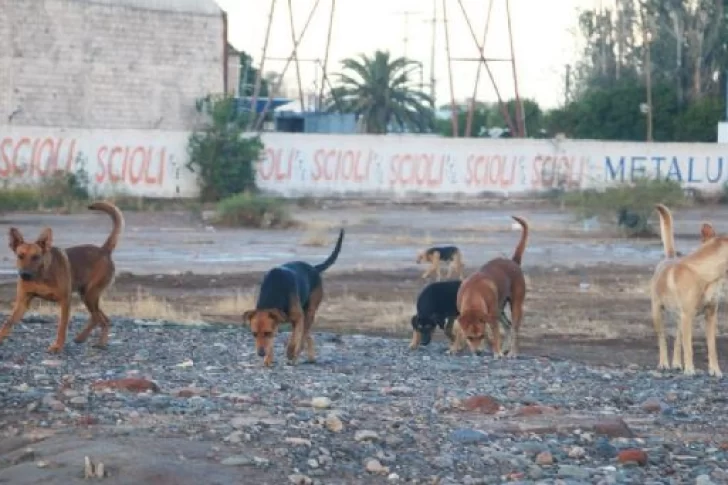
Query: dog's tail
x=668 y=238
x=518 y=253
x=117 y=220
x=332 y=258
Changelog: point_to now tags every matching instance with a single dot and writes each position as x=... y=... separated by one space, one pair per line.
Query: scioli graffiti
x=125 y=165
x=361 y=169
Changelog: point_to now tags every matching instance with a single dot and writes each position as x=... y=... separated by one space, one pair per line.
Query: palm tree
x=380 y=91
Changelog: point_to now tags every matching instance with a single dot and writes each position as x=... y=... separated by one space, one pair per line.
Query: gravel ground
x=369 y=411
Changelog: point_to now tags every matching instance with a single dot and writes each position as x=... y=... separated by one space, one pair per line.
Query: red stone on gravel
x=482 y=404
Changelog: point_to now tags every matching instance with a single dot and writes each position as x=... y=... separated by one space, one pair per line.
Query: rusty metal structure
x=517 y=128
x=256 y=121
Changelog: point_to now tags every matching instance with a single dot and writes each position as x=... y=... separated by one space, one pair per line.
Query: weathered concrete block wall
x=105 y=64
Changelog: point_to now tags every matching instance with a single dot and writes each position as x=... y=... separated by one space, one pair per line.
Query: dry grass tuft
x=315 y=238
x=320 y=225
x=351 y=313
x=234 y=305
x=140 y=305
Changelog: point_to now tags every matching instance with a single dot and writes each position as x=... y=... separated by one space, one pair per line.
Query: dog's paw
x=715 y=372
x=268 y=362
x=689 y=371
x=675 y=366
x=55 y=348
x=512 y=355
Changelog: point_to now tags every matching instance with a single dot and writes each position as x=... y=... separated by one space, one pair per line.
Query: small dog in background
x=447 y=254
x=436 y=307
x=291 y=292
x=53 y=274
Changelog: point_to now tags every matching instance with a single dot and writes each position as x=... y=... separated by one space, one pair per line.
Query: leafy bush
x=629 y=205
x=251 y=210
x=63 y=189
x=220 y=153
x=19 y=199
x=60 y=189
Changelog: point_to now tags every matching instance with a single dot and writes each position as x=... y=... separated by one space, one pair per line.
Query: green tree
x=220 y=153
x=381 y=91
x=490 y=115
x=248 y=75
x=688 y=51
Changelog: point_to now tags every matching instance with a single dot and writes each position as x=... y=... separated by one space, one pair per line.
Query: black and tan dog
x=53 y=274
x=291 y=292
x=446 y=254
x=436 y=307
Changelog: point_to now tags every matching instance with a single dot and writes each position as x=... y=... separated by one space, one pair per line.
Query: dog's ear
x=277 y=315
x=706 y=232
x=15 y=239
x=45 y=239
x=248 y=316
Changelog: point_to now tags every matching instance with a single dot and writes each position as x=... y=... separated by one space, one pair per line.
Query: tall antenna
x=325 y=65
x=432 y=52
x=405 y=37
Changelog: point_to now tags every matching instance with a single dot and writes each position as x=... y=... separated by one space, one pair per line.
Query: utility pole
x=567 y=84
x=620 y=37
x=647 y=39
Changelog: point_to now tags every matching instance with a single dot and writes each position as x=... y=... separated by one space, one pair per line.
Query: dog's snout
x=25 y=275
x=261 y=352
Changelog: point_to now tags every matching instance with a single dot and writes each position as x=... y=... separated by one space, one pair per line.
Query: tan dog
x=447 y=254
x=688 y=287
x=53 y=274
x=482 y=298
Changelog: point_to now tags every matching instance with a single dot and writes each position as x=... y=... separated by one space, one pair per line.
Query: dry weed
x=316 y=238
x=351 y=313
x=140 y=306
x=234 y=305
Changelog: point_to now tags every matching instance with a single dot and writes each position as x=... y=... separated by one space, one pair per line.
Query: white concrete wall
x=335 y=164
x=152 y=163
x=131 y=64
x=723 y=132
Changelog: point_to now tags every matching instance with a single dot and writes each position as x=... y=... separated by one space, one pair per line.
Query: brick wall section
x=102 y=64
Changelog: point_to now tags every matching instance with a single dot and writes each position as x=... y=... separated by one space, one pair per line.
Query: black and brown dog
x=291 y=292
x=53 y=274
x=436 y=307
x=447 y=254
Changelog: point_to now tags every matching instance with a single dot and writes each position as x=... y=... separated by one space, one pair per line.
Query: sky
x=544 y=40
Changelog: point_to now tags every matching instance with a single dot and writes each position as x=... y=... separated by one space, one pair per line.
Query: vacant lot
x=588 y=352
